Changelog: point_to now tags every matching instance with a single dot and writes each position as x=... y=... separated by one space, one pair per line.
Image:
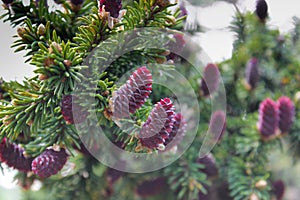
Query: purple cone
x=210 y=80
x=159 y=125
x=252 y=73
x=268 y=118
x=286 y=110
x=133 y=94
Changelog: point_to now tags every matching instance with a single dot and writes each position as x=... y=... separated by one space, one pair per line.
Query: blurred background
x=216 y=40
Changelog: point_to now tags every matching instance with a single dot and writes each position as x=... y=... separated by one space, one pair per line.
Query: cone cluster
x=275 y=118
x=163 y=126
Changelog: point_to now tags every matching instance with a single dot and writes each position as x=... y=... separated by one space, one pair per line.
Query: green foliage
x=185 y=178
x=65 y=23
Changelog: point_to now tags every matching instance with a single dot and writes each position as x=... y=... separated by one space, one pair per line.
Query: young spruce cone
x=50 y=162
x=278 y=188
x=261 y=10
x=133 y=94
x=252 y=74
x=13 y=156
x=268 y=119
x=176 y=46
x=210 y=80
x=72 y=112
x=111 y=6
x=158 y=126
x=286 y=110
x=217 y=124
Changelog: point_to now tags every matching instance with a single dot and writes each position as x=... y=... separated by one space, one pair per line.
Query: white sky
x=216 y=42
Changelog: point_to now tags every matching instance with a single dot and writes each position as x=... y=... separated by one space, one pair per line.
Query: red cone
x=13 y=156
x=286 y=110
x=158 y=126
x=50 y=162
x=133 y=94
x=268 y=119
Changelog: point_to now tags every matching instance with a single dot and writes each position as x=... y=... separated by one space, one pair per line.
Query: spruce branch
x=64 y=22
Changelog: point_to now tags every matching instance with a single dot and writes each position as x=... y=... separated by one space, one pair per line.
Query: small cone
x=278 y=189
x=261 y=10
x=133 y=94
x=252 y=73
x=13 y=156
x=286 y=110
x=217 y=124
x=268 y=119
x=210 y=80
x=158 y=126
x=72 y=112
x=50 y=162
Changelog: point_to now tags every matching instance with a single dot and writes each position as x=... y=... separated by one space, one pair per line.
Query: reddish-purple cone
x=177 y=133
x=111 y=6
x=158 y=126
x=72 y=112
x=252 y=73
x=278 y=189
x=210 y=80
x=152 y=187
x=217 y=124
x=210 y=167
x=176 y=46
x=268 y=118
x=13 y=156
x=286 y=110
x=133 y=94
x=50 y=162
x=261 y=9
